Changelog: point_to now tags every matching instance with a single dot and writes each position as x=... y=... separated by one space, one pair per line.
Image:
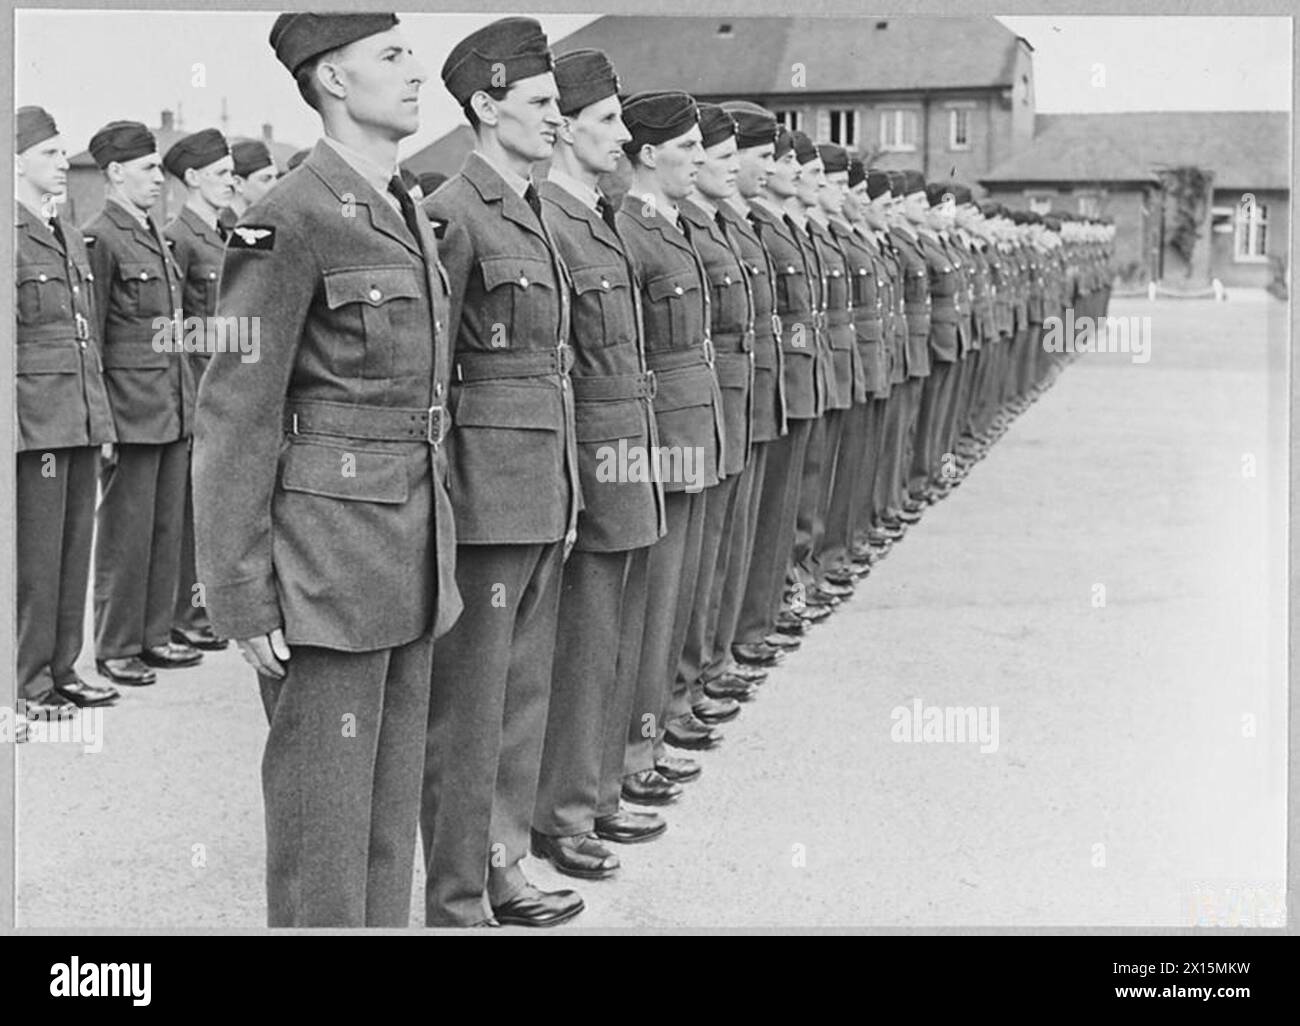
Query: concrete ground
x=1139 y=774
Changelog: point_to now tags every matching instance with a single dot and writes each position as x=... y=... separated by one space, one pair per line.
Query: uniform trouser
x=735 y=559
x=893 y=442
x=862 y=504
x=55 y=504
x=1025 y=358
x=912 y=438
x=936 y=398
x=958 y=416
x=590 y=701
x=341 y=784
x=138 y=551
x=190 y=613
x=778 y=506
x=671 y=567
x=487 y=725
x=855 y=463
x=819 y=471
x=720 y=512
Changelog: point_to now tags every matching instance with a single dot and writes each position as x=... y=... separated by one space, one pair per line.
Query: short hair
x=496 y=92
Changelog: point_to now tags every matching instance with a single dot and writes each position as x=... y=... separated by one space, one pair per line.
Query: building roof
x=721 y=55
x=445 y=154
x=1244 y=149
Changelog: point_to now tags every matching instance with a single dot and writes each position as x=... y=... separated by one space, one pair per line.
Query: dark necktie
x=606 y=213
x=223 y=231
x=57 y=229
x=409 y=214
x=533 y=200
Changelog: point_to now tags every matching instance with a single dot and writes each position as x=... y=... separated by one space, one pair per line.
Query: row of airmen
x=810 y=351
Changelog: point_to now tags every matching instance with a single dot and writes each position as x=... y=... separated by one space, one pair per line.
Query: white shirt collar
x=376 y=174
x=517 y=183
x=580 y=191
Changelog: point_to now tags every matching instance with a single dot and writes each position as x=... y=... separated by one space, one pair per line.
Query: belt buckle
x=437 y=415
x=776 y=326
x=564 y=358
x=708 y=351
x=83 y=328
x=652 y=384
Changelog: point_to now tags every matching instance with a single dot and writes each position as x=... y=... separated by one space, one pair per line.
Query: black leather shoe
x=749 y=674
x=688 y=732
x=841 y=577
x=627 y=827
x=50 y=706
x=129 y=671
x=755 y=655
x=839 y=591
x=716 y=710
x=648 y=787
x=790 y=623
x=908 y=516
x=534 y=907
x=83 y=694
x=816 y=614
x=782 y=641
x=916 y=506
x=678 y=769
x=729 y=687
x=203 y=638
x=581 y=855
x=171 y=656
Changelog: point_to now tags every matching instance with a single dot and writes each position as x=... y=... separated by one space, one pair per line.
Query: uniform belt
x=371 y=423
x=532 y=363
x=615 y=386
x=733 y=341
x=57 y=331
x=673 y=359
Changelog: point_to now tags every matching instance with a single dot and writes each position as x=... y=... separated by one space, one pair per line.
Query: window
x=1252 y=232
x=959 y=129
x=788 y=119
x=1089 y=205
x=725 y=29
x=844 y=127
x=1221 y=220
x=898 y=130
x=1041 y=203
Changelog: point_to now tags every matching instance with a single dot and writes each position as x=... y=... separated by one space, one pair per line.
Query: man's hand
x=265 y=653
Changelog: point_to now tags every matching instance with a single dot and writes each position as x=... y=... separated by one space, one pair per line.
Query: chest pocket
x=519 y=296
x=730 y=311
x=382 y=326
x=674 y=311
x=144 y=288
x=603 y=308
x=792 y=293
x=43 y=294
x=204 y=278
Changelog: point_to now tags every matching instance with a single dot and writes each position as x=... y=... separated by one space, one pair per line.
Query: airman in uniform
x=63 y=417
x=253 y=173
x=151 y=384
x=323 y=527
x=197 y=239
x=578 y=794
x=514 y=487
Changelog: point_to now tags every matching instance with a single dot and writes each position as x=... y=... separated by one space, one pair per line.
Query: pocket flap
x=339 y=473
x=46 y=359
x=136 y=270
x=669 y=286
x=523 y=271
x=677 y=391
x=370 y=285
x=507 y=407
x=598 y=279
x=123 y=355
x=41 y=273
x=609 y=421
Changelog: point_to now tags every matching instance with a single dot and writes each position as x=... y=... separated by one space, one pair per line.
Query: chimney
x=166 y=125
x=266 y=131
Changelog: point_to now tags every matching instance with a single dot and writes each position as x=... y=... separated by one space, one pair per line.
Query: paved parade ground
x=1108 y=589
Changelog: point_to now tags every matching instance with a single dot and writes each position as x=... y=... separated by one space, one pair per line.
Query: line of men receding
x=403 y=508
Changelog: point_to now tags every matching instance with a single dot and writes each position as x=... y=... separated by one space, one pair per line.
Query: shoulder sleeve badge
x=252 y=236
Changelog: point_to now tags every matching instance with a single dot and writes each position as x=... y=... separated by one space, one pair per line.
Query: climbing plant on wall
x=1187 y=191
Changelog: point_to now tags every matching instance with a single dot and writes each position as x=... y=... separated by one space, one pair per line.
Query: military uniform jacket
x=980 y=283
x=60 y=396
x=946 y=293
x=916 y=302
x=798 y=305
x=867 y=281
x=198 y=251
x=613 y=393
x=1018 y=274
x=678 y=345
x=837 y=304
x=731 y=320
x=151 y=380
x=895 y=315
x=1034 y=282
x=768 y=419
x=320 y=503
x=1001 y=291
x=514 y=463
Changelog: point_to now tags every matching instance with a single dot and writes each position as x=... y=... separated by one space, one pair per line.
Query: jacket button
x=375 y=295
x=41 y=278
x=76 y=289
x=726 y=279
x=144 y=275
x=212 y=275
x=677 y=289
x=523 y=281
x=790 y=269
x=604 y=283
